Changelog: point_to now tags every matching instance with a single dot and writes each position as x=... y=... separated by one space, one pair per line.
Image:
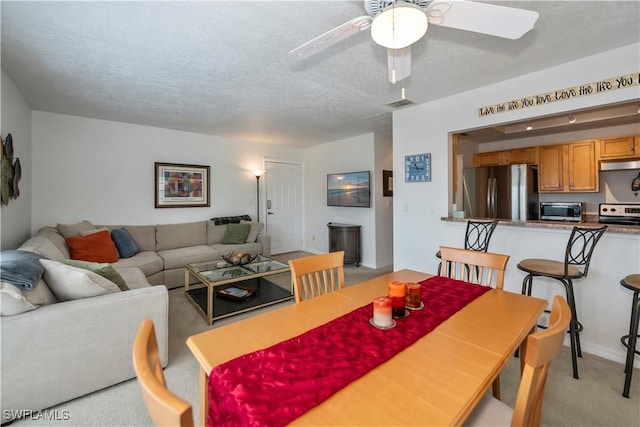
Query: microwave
x=562 y=211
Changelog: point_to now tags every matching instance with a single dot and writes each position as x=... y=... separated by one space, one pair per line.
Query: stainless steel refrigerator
x=508 y=192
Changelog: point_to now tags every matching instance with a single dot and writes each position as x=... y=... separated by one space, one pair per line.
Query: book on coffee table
x=235 y=293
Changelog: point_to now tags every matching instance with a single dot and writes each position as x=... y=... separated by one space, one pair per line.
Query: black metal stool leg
x=578 y=324
x=631 y=344
x=573 y=329
x=526 y=290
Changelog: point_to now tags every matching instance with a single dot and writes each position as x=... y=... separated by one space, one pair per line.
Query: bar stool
x=631 y=282
x=476 y=237
x=582 y=242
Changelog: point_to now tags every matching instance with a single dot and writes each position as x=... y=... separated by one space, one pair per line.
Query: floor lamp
x=258 y=173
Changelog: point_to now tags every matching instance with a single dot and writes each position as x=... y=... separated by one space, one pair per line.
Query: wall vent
x=400 y=103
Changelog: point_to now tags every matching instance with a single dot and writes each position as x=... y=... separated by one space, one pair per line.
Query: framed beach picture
x=181 y=186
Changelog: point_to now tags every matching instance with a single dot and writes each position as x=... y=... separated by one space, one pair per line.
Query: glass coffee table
x=230 y=290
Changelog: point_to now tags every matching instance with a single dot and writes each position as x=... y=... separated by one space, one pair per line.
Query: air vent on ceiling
x=400 y=103
x=374 y=7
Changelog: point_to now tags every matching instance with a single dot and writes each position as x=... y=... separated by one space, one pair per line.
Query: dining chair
x=485 y=265
x=488 y=268
x=540 y=350
x=577 y=257
x=164 y=407
x=317 y=275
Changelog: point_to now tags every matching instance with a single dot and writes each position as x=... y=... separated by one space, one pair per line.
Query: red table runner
x=275 y=385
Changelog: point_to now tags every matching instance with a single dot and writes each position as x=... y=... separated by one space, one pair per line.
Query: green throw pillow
x=236 y=233
x=105 y=270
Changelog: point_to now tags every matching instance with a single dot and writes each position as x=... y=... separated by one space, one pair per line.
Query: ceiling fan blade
x=399 y=63
x=331 y=37
x=500 y=21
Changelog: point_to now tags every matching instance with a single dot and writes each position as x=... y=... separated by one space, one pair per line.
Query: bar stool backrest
x=478 y=235
x=582 y=242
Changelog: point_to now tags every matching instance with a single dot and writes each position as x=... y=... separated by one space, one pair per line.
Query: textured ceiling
x=221 y=67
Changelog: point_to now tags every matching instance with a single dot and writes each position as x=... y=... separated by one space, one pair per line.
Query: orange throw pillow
x=96 y=247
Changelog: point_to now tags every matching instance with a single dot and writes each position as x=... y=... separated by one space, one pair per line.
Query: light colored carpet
x=594 y=400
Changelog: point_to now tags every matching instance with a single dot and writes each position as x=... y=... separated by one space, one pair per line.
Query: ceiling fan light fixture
x=399 y=26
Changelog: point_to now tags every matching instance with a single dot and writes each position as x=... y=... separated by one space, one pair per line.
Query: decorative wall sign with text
x=614 y=83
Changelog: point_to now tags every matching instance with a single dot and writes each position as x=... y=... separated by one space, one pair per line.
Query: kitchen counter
x=559 y=225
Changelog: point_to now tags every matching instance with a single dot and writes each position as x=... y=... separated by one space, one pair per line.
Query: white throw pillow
x=14 y=300
x=256 y=228
x=71 y=283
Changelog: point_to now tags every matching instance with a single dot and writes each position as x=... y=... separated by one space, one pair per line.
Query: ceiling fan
x=397 y=24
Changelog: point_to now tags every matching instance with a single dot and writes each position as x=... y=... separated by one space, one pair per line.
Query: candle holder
x=397 y=291
x=382 y=313
x=412 y=300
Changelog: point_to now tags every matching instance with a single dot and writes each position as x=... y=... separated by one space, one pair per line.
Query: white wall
x=347 y=155
x=16 y=120
x=103 y=171
x=383 y=205
x=418 y=230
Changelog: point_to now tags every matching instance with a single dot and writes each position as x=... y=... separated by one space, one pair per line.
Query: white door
x=283 y=217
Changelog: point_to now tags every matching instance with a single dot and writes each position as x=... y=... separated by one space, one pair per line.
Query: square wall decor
x=417 y=167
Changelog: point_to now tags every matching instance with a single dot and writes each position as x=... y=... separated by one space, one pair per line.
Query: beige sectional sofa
x=166 y=248
x=56 y=350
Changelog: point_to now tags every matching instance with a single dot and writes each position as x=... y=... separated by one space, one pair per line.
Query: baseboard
x=619 y=356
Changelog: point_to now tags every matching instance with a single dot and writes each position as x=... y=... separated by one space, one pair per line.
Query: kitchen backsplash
x=615 y=187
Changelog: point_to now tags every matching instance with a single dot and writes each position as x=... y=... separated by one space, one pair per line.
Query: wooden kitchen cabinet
x=568 y=168
x=492 y=158
x=523 y=156
x=506 y=157
x=551 y=168
x=626 y=147
x=583 y=168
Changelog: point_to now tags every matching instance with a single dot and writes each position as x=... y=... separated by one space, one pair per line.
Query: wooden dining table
x=436 y=381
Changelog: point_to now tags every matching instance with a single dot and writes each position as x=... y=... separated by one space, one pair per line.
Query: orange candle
x=397 y=291
x=382 y=311
x=413 y=295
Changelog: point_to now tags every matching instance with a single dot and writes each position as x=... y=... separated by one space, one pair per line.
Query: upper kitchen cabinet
x=568 y=168
x=493 y=158
x=506 y=157
x=523 y=156
x=626 y=147
x=551 y=168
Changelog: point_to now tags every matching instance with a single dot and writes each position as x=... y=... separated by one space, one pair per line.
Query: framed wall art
x=181 y=186
x=387 y=183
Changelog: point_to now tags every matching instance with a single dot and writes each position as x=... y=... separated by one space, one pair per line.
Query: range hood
x=619 y=165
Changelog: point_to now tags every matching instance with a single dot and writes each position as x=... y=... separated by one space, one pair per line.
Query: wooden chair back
x=164 y=407
x=317 y=275
x=540 y=350
x=483 y=268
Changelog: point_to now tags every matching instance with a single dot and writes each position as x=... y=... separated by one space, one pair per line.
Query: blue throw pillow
x=125 y=244
x=21 y=268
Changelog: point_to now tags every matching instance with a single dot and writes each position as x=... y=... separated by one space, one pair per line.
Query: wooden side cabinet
x=620 y=148
x=345 y=237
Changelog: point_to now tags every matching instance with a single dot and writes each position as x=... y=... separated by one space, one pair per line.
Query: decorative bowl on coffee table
x=239 y=258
